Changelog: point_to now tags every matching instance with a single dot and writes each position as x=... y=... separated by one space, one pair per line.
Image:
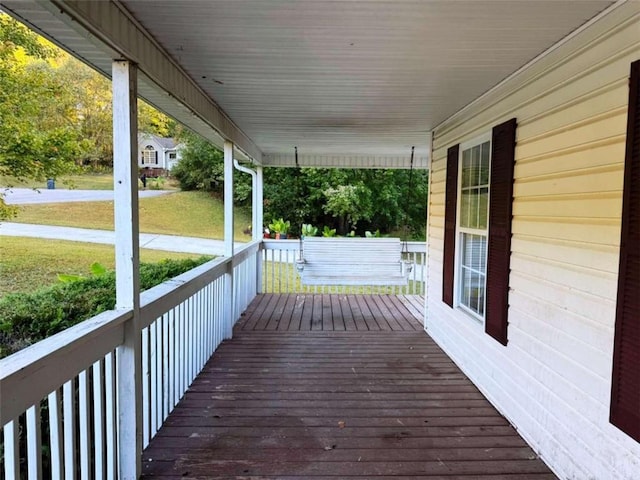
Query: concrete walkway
x=170 y=243
x=24 y=196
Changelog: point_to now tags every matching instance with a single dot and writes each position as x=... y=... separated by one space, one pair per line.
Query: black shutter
x=503 y=143
x=451 y=201
x=156 y=157
x=625 y=391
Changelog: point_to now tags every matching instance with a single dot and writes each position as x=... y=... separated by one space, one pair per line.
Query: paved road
x=23 y=196
x=170 y=243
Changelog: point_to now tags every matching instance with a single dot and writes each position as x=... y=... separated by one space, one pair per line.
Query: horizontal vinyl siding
x=553 y=380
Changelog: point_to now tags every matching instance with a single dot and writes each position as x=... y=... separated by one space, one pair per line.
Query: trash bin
x=51 y=184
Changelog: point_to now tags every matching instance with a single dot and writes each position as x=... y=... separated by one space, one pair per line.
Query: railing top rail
x=281 y=244
x=37 y=370
x=242 y=253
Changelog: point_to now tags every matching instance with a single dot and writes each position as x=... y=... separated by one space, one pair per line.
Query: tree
x=349 y=204
x=55 y=112
x=346 y=199
x=201 y=167
x=37 y=135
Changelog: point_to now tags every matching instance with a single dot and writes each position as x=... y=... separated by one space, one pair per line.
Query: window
x=473 y=227
x=149 y=155
x=477 y=227
x=172 y=156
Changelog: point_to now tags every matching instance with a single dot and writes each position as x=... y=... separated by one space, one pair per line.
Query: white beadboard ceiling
x=351 y=79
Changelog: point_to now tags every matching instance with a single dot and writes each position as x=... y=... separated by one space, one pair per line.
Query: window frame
x=457 y=281
x=148 y=149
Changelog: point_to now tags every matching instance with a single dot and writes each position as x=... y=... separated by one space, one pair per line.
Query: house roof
x=166 y=143
x=350 y=83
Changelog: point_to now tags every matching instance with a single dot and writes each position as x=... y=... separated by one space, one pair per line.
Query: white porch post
x=228 y=237
x=259 y=223
x=125 y=186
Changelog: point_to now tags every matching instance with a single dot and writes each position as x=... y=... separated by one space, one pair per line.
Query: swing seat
x=352 y=261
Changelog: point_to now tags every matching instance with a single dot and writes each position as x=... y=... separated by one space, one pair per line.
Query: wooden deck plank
x=413 y=303
x=277 y=314
x=287 y=312
x=296 y=314
x=265 y=314
x=391 y=316
x=327 y=313
x=364 y=469
x=391 y=455
x=356 y=313
x=339 y=322
x=307 y=312
x=367 y=315
x=378 y=316
x=336 y=404
x=347 y=314
x=253 y=312
x=528 y=476
x=316 y=312
x=405 y=317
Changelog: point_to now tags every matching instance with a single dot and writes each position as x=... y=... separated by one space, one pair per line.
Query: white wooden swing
x=354 y=261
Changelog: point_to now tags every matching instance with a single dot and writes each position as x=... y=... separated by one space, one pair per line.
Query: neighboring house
x=533 y=291
x=157 y=155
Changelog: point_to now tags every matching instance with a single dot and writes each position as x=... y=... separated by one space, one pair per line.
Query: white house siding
x=553 y=380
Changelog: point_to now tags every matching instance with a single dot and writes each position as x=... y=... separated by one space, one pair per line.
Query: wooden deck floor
x=334 y=312
x=341 y=405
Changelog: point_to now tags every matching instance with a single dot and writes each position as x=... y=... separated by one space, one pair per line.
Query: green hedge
x=26 y=318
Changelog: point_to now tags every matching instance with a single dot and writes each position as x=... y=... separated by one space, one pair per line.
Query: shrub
x=26 y=318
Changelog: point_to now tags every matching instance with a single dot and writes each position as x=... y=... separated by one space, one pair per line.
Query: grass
x=27 y=264
x=87 y=181
x=194 y=214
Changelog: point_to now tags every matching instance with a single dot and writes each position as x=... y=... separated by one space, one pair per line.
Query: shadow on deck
x=340 y=387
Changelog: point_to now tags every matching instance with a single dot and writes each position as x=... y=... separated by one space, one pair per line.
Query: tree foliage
x=348 y=199
x=37 y=138
x=342 y=199
x=201 y=167
x=55 y=112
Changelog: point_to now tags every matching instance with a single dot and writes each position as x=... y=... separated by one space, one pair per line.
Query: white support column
x=259 y=221
x=125 y=186
x=228 y=238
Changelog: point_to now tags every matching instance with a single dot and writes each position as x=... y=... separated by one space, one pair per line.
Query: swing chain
x=405 y=247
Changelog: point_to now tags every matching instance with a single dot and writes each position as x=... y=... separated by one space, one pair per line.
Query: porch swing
x=355 y=261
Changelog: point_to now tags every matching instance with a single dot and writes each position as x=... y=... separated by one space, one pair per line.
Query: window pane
x=466 y=164
x=475 y=205
x=465 y=198
x=473 y=302
x=483 y=208
x=482 y=254
x=473 y=272
x=484 y=167
x=475 y=164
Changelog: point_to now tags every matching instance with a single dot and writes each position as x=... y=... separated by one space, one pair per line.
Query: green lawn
x=87 y=181
x=194 y=214
x=27 y=264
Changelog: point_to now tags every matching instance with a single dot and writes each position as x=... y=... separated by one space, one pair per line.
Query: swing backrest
x=352 y=261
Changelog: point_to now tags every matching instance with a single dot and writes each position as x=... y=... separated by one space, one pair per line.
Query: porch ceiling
x=350 y=83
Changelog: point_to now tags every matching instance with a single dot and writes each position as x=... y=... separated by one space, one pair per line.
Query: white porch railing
x=279 y=273
x=62 y=391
